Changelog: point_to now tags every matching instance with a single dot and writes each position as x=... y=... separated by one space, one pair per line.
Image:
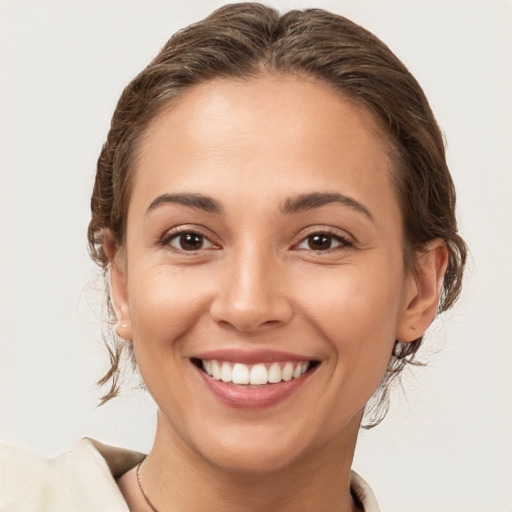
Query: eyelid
x=177 y=238
x=336 y=233
x=176 y=231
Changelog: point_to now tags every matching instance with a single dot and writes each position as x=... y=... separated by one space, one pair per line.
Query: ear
x=423 y=290
x=118 y=288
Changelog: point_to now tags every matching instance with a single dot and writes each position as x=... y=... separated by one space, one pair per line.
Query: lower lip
x=252 y=397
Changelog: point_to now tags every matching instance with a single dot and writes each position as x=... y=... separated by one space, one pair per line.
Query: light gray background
x=447 y=445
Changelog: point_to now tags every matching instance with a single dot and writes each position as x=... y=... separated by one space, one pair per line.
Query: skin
x=255 y=283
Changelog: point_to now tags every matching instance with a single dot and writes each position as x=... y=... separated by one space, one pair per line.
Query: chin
x=253 y=460
x=259 y=450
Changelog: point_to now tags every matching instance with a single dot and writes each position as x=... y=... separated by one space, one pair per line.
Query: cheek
x=354 y=300
x=357 y=312
x=164 y=304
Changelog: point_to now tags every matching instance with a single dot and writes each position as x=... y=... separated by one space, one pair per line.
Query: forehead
x=275 y=134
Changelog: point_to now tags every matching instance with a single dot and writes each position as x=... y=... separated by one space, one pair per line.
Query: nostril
x=247 y=325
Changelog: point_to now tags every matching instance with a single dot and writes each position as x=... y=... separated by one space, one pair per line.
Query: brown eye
x=319 y=242
x=323 y=242
x=190 y=241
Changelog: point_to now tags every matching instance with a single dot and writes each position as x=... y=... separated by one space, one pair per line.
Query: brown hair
x=242 y=41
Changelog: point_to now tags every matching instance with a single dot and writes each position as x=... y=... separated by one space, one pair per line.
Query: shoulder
x=363 y=494
x=82 y=479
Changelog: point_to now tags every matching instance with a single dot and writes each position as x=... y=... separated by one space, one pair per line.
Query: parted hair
x=243 y=41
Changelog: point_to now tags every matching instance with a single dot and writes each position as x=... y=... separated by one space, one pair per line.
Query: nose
x=251 y=293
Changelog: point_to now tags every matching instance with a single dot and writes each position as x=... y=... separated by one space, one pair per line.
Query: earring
x=123 y=330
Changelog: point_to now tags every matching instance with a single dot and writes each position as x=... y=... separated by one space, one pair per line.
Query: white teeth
x=287 y=372
x=226 y=373
x=240 y=374
x=215 y=370
x=207 y=365
x=257 y=375
x=274 y=373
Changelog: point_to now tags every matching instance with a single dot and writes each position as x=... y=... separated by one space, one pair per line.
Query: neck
x=177 y=478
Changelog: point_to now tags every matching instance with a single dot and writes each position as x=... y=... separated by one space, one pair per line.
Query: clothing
x=84 y=480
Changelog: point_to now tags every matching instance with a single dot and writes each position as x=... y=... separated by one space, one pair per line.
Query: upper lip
x=251 y=356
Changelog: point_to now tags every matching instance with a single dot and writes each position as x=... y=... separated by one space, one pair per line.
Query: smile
x=262 y=380
x=259 y=374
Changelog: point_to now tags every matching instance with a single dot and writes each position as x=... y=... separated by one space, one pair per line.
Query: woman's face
x=264 y=243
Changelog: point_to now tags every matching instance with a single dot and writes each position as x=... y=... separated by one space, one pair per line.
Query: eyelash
x=343 y=242
x=176 y=235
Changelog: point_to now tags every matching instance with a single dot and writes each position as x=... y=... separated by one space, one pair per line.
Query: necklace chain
x=151 y=506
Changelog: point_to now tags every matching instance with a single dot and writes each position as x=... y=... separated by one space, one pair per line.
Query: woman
x=275 y=216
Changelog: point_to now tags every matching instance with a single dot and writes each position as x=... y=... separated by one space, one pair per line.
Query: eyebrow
x=197 y=201
x=297 y=204
x=306 y=202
